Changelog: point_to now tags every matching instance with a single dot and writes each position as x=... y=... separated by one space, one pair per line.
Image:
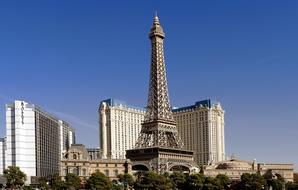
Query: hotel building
x=35 y=140
x=119 y=126
x=201 y=128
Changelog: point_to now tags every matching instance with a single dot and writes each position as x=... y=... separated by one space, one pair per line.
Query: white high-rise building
x=35 y=140
x=201 y=128
x=120 y=125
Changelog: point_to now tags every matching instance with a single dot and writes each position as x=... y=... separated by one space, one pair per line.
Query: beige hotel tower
x=201 y=127
x=119 y=127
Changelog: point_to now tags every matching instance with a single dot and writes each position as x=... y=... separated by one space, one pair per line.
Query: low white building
x=234 y=168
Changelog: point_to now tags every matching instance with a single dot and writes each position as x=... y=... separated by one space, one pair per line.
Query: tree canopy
x=126 y=180
x=99 y=181
x=72 y=181
x=152 y=181
x=15 y=177
x=56 y=182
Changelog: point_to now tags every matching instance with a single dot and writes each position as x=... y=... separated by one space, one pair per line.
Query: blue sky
x=66 y=56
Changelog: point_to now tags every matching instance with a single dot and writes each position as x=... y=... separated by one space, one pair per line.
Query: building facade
x=2 y=154
x=94 y=153
x=67 y=136
x=234 y=168
x=77 y=160
x=120 y=125
x=201 y=127
x=35 y=140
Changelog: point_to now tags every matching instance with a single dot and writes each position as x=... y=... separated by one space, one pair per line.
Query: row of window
x=83 y=172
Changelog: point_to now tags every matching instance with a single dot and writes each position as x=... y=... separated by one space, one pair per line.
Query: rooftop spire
x=156 y=20
x=156 y=29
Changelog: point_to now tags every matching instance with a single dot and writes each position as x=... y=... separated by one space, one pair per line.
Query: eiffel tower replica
x=159 y=147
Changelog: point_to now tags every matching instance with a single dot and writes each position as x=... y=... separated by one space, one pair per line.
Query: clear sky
x=66 y=56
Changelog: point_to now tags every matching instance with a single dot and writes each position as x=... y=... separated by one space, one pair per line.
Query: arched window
x=107 y=173
x=75 y=171
x=74 y=156
x=116 y=173
x=84 y=172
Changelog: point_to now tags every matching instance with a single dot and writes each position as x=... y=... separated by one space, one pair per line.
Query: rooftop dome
x=234 y=164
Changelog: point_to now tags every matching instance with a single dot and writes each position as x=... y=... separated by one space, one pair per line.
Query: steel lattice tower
x=159 y=142
x=159 y=127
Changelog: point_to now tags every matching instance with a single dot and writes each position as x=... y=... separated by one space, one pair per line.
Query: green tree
x=178 y=179
x=127 y=180
x=195 y=181
x=251 y=182
x=292 y=186
x=117 y=186
x=223 y=180
x=152 y=181
x=211 y=183
x=72 y=181
x=26 y=187
x=43 y=183
x=99 y=181
x=56 y=182
x=15 y=177
x=276 y=182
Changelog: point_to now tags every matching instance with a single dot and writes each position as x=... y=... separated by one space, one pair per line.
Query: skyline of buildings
x=242 y=53
x=84 y=161
x=210 y=123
